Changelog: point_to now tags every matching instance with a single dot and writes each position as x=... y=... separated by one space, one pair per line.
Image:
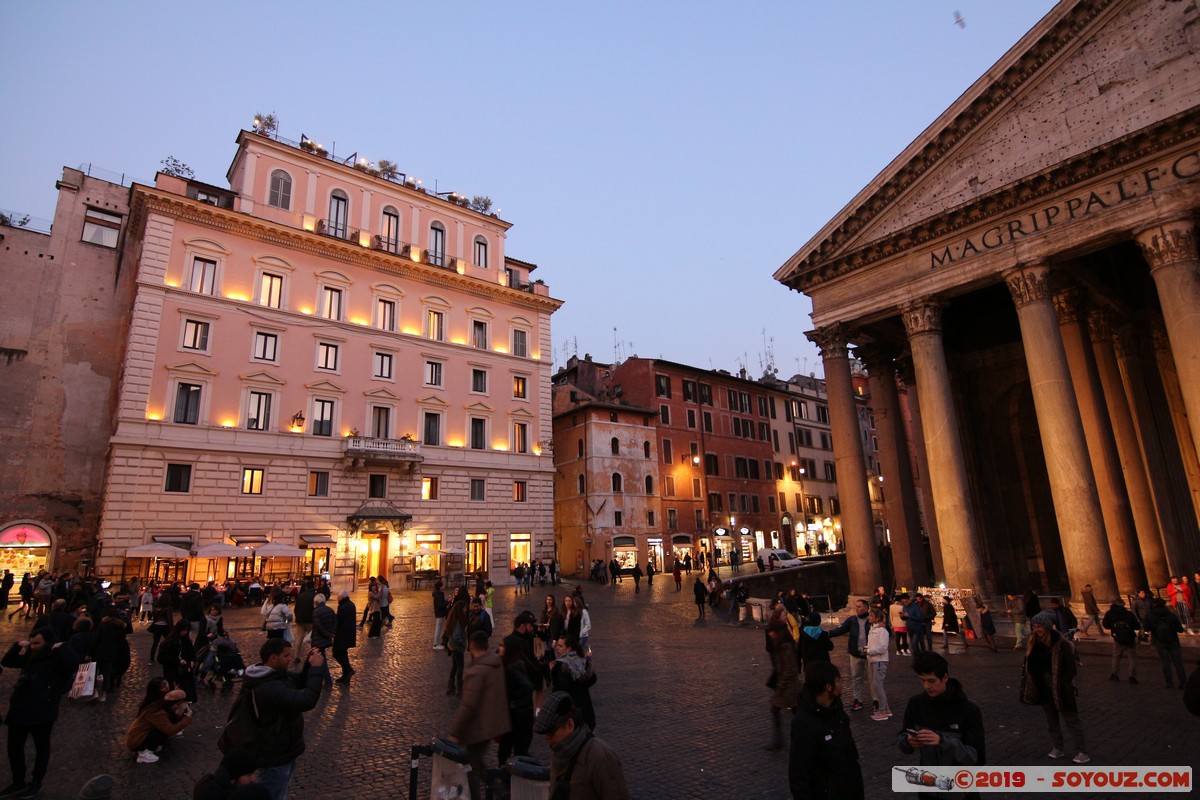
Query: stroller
x=227 y=664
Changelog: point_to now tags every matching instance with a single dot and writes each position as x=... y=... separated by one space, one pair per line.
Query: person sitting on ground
x=157 y=721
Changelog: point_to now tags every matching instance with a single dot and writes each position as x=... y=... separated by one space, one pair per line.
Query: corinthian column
x=1170 y=249
x=947 y=476
x=1072 y=484
x=862 y=558
x=921 y=462
x=1101 y=444
x=1179 y=417
x=900 y=503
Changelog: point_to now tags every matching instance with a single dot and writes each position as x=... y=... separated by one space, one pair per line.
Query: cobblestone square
x=684 y=702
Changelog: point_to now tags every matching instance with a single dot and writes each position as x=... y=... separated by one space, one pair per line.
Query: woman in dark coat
x=949 y=623
x=110 y=651
x=177 y=655
x=571 y=672
x=25 y=592
x=454 y=638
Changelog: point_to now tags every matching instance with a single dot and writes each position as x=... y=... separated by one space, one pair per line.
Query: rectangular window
x=826 y=442
x=385 y=314
x=437 y=245
x=520 y=390
x=662 y=386
x=481 y=253
x=377 y=485
x=477 y=548
x=479 y=381
x=270 y=290
x=252 y=480
x=520 y=437
x=383 y=365
x=711 y=464
x=667 y=456
x=520 y=344
x=479 y=334
x=429 y=488
x=322 y=418
x=478 y=489
x=689 y=391
x=327 y=356
x=478 y=433
x=520 y=491
x=699 y=519
x=435 y=325
x=318 y=483
x=668 y=486
x=433 y=373
x=179 y=478
x=830 y=471
x=691 y=418
x=755 y=503
x=433 y=428
x=695 y=488
x=672 y=519
x=650 y=518
x=266 y=346
x=705 y=395
x=187 y=404
x=708 y=422
x=258 y=411
x=823 y=414
x=733 y=502
x=331 y=302
x=204 y=276
x=664 y=414
x=381 y=422
x=762 y=406
x=195 y=335
x=100 y=227
x=618 y=518
x=390 y=237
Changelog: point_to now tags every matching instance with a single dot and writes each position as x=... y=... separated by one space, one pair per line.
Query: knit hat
x=175 y=695
x=239 y=762
x=1044 y=618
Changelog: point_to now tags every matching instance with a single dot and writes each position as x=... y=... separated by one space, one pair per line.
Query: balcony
x=370 y=451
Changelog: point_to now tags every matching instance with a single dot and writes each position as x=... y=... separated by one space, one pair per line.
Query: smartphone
x=910 y=731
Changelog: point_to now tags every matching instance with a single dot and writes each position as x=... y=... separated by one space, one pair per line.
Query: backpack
x=244 y=729
x=1165 y=634
x=1123 y=633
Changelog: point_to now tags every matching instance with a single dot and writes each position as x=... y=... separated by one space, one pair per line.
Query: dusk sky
x=659 y=160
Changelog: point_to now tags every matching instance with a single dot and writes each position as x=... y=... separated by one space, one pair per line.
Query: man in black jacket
x=1123 y=625
x=940 y=722
x=346 y=635
x=823 y=762
x=855 y=629
x=304 y=616
x=191 y=608
x=47 y=668
x=324 y=629
x=280 y=699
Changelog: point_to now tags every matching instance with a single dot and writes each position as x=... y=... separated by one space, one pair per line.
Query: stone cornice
x=148 y=200
x=826 y=263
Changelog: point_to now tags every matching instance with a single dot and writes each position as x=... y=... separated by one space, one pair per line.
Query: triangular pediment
x=263 y=377
x=382 y=394
x=521 y=413
x=480 y=407
x=1081 y=78
x=191 y=368
x=433 y=400
x=324 y=386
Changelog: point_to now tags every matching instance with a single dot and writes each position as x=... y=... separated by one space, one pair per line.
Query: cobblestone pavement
x=684 y=702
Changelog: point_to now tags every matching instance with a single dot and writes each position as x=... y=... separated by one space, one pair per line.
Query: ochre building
x=1027 y=270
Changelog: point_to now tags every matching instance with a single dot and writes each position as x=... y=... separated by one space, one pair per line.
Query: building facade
x=658 y=459
x=1028 y=268
x=65 y=294
x=332 y=365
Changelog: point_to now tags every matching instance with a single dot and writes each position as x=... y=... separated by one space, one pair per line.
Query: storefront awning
x=24 y=536
x=181 y=540
x=250 y=539
x=319 y=540
x=376 y=511
x=681 y=539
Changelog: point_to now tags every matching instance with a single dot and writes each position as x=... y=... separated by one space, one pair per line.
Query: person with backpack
x=267 y=718
x=1124 y=627
x=1164 y=629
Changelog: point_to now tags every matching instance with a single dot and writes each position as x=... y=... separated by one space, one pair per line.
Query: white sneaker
x=146 y=757
x=1056 y=753
x=439 y=647
x=1081 y=758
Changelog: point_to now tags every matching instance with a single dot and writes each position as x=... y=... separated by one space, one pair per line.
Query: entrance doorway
x=655 y=554
x=24 y=548
x=372 y=556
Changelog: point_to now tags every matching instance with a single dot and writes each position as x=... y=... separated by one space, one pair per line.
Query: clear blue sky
x=659 y=160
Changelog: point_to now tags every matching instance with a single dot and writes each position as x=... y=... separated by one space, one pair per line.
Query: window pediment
x=262 y=377
x=324 y=386
x=190 y=368
x=381 y=394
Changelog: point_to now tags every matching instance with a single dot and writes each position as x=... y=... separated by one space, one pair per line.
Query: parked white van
x=782 y=558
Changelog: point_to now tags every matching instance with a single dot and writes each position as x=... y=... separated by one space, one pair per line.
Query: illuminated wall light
x=309 y=223
x=305 y=310
x=225 y=423
x=462 y=268
x=503 y=279
x=414 y=255
x=500 y=348
x=457 y=340
x=173 y=284
x=364 y=238
x=537 y=450
x=410 y=331
x=500 y=447
x=154 y=416
x=359 y=321
x=241 y=298
x=455 y=442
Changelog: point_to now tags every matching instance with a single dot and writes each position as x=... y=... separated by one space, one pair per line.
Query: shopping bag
x=84 y=686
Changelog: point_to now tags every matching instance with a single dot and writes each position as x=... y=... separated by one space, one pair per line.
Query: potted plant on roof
x=266 y=124
x=388 y=169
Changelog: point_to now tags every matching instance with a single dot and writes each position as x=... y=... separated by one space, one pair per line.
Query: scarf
x=575 y=664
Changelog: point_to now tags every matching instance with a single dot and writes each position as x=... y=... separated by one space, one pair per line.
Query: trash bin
x=449 y=771
x=530 y=779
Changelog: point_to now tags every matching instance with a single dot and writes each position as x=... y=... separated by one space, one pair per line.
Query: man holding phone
x=940 y=723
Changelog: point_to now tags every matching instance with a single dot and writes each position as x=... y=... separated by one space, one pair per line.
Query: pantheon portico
x=1027 y=271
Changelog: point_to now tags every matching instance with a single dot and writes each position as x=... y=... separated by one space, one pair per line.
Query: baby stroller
x=227 y=662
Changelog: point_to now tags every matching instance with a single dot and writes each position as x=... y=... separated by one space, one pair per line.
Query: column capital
x=922 y=316
x=1101 y=325
x=1068 y=305
x=878 y=356
x=1158 y=334
x=1124 y=341
x=1168 y=243
x=831 y=341
x=906 y=370
x=1028 y=283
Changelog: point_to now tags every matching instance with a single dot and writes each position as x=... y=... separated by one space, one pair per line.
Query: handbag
x=84 y=685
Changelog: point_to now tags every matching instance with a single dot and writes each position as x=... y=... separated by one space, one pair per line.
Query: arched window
x=437 y=244
x=581 y=484
x=390 y=235
x=616 y=447
x=481 y=248
x=649 y=484
x=579 y=448
x=616 y=482
x=281 y=190
x=339 y=214
x=646 y=448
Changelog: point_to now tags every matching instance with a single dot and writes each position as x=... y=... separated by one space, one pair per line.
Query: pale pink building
x=334 y=360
